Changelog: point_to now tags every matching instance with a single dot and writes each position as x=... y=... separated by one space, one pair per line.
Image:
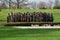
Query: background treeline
x=18 y=4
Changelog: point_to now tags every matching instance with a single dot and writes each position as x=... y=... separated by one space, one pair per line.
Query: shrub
x=56 y=7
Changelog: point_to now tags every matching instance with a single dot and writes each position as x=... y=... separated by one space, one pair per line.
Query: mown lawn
x=56 y=13
x=9 y=33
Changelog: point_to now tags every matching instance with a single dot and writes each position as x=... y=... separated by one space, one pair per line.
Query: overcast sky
x=41 y=0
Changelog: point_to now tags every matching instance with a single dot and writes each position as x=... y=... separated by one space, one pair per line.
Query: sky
x=41 y=0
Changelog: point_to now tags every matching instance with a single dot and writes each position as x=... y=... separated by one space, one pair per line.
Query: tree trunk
x=10 y=4
x=17 y=4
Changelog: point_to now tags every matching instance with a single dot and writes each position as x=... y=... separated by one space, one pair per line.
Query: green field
x=56 y=13
x=9 y=33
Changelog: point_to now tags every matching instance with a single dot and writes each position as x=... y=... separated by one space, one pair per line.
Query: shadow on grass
x=2 y=20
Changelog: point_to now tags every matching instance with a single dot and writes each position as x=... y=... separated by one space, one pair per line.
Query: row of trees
x=26 y=4
x=51 y=4
x=57 y=4
x=13 y=3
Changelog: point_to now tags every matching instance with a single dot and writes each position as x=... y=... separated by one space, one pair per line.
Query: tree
x=33 y=5
x=42 y=5
x=18 y=4
x=50 y=4
x=57 y=4
x=9 y=3
x=2 y=4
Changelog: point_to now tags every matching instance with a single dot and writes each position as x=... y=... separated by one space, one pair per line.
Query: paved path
x=36 y=27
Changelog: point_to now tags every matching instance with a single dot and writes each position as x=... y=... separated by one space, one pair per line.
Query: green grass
x=56 y=13
x=9 y=33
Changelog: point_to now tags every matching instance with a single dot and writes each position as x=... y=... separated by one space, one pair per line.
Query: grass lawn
x=56 y=13
x=9 y=33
